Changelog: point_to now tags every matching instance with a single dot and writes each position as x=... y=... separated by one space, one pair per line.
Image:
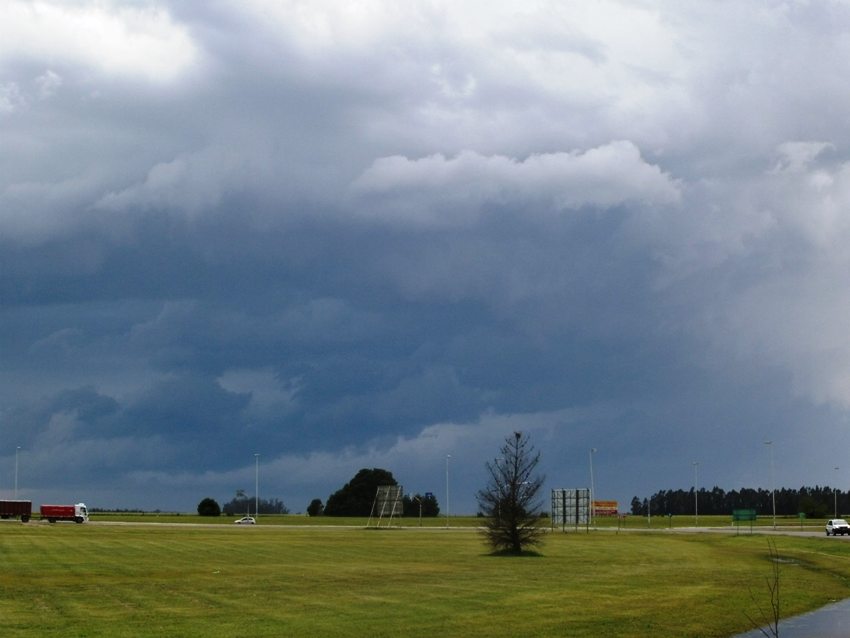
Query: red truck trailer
x=77 y=513
x=15 y=509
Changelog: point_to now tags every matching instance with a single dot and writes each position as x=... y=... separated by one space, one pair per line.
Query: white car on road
x=245 y=520
x=837 y=526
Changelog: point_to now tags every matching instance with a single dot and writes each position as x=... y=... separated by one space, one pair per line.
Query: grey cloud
x=373 y=234
x=450 y=192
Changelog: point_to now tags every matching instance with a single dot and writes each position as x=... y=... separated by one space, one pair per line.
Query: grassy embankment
x=97 y=580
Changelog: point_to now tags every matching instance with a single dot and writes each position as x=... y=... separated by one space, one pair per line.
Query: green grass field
x=274 y=580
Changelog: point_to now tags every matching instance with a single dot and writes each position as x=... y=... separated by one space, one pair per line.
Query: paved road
x=780 y=531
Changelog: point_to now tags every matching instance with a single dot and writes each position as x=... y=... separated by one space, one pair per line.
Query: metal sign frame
x=387 y=504
x=570 y=507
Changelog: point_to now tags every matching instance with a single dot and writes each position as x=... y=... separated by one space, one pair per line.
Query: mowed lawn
x=153 y=580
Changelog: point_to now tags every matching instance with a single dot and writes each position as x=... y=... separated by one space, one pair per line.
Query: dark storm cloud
x=371 y=236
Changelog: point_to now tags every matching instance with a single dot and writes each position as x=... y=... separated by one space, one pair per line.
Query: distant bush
x=209 y=507
x=315 y=508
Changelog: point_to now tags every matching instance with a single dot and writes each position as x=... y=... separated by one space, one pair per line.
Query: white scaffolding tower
x=387 y=504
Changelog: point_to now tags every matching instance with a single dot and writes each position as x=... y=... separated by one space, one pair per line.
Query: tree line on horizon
x=814 y=502
x=356 y=497
x=241 y=504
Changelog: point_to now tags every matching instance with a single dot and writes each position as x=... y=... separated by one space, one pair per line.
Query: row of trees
x=241 y=504
x=355 y=498
x=416 y=505
x=815 y=502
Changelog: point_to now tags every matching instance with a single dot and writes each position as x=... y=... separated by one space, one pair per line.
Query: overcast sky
x=374 y=234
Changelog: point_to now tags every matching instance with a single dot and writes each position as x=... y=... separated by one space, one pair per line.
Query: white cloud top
x=436 y=190
x=112 y=37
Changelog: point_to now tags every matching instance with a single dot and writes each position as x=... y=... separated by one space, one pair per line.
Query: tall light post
x=696 y=491
x=17 y=449
x=501 y=489
x=769 y=444
x=592 y=490
x=448 y=456
x=256 y=485
x=835 y=492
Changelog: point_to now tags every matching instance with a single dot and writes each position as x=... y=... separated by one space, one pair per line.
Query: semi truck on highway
x=51 y=513
x=77 y=513
x=16 y=509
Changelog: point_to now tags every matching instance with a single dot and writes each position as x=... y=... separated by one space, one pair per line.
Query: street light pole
x=448 y=456
x=256 y=485
x=501 y=488
x=592 y=489
x=769 y=444
x=17 y=449
x=835 y=492
x=696 y=491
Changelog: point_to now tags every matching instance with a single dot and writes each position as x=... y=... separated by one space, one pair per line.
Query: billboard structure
x=606 y=508
x=387 y=504
x=570 y=507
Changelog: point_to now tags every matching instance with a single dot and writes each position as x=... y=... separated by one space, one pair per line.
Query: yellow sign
x=605 y=508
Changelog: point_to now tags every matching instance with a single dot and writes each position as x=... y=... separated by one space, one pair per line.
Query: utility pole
x=257 y=485
x=592 y=489
x=448 y=456
x=769 y=444
x=17 y=449
x=835 y=492
x=696 y=491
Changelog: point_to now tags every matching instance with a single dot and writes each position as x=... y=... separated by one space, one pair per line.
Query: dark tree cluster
x=815 y=502
x=316 y=507
x=209 y=507
x=244 y=504
x=418 y=504
x=355 y=498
